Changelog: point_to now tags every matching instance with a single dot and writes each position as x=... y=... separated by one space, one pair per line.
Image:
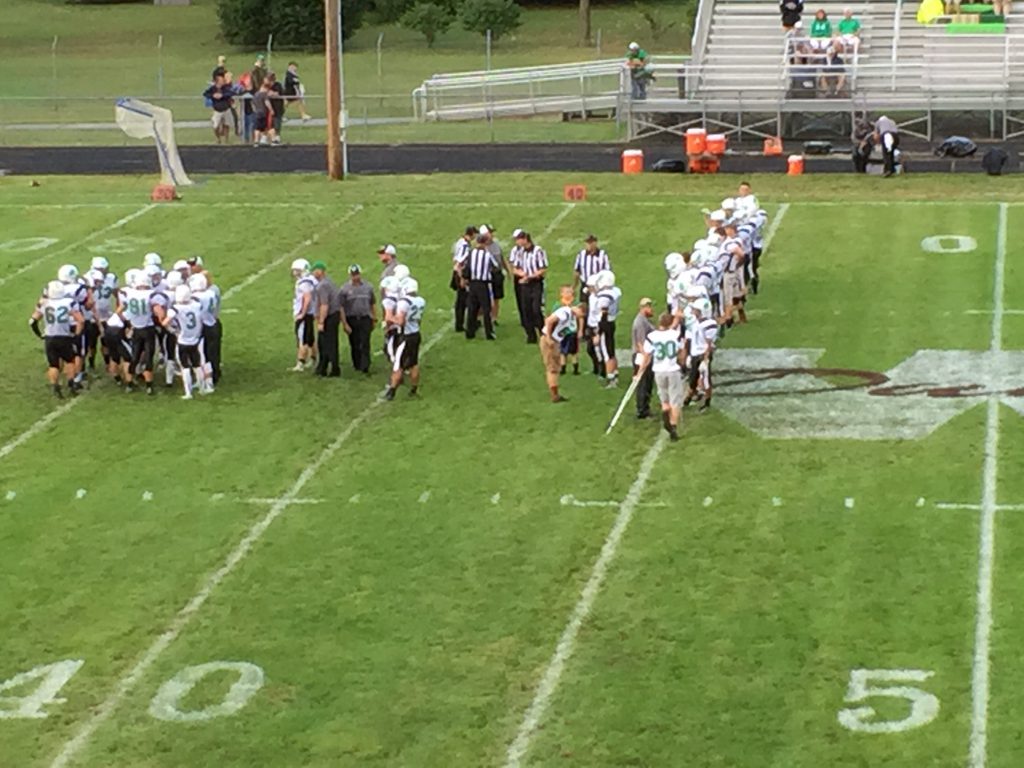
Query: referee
x=514 y=256
x=533 y=266
x=460 y=254
x=360 y=310
x=329 y=318
x=591 y=260
x=642 y=326
x=476 y=275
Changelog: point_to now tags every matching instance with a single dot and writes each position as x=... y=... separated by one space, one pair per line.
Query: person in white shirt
x=746 y=201
x=185 y=320
x=701 y=335
x=663 y=350
x=304 y=312
x=608 y=297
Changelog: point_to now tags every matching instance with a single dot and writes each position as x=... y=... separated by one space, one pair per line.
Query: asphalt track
x=410 y=158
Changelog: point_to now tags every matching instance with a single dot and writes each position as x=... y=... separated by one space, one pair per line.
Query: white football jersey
x=187 y=322
x=701 y=336
x=663 y=347
x=565 y=324
x=137 y=309
x=57 y=316
x=305 y=284
x=209 y=302
x=608 y=301
x=413 y=308
x=103 y=297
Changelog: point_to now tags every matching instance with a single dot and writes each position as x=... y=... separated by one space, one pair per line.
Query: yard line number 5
x=867 y=684
x=32 y=695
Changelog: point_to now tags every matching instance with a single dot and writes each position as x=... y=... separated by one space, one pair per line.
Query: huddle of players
x=403 y=309
x=176 y=313
x=707 y=290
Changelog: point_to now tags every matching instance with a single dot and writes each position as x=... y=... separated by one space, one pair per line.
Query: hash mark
x=147 y=496
x=10 y=495
x=424 y=497
x=353 y=499
x=496 y=498
x=708 y=501
x=849 y=502
x=80 y=493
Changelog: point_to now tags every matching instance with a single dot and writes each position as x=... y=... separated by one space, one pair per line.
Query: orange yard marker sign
x=574 y=193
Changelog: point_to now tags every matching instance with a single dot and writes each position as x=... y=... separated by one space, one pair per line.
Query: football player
x=407 y=315
x=64 y=323
x=304 y=311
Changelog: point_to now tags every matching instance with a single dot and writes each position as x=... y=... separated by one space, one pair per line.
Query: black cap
x=354 y=269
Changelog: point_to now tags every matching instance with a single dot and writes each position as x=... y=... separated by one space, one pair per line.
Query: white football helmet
x=410 y=286
x=713 y=239
x=152 y=259
x=67 y=273
x=674 y=264
x=401 y=272
x=55 y=289
x=93 y=278
x=182 y=295
x=197 y=283
x=129 y=277
x=605 y=279
x=703 y=306
x=729 y=204
x=390 y=285
x=140 y=279
x=154 y=274
x=301 y=266
x=181 y=266
x=592 y=281
x=174 y=280
x=98 y=262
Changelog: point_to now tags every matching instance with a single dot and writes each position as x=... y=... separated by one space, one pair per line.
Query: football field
x=822 y=573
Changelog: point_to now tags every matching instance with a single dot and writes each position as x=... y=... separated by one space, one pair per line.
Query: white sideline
x=980 y=673
x=182 y=619
x=567 y=642
x=773 y=228
x=79 y=243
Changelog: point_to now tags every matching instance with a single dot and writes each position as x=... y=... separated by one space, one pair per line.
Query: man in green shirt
x=849 y=31
x=640 y=76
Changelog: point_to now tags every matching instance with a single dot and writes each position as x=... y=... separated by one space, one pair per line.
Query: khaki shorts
x=223 y=119
x=670 y=387
x=734 y=288
x=550 y=354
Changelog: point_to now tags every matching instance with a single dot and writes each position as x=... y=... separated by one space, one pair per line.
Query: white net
x=142 y=120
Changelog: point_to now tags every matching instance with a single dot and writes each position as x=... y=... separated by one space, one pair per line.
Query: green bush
x=502 y=17
x=428 y=18
x=292 y=22
x=390 y=11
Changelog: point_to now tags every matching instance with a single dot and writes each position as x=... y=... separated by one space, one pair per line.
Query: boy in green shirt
x=821 y=31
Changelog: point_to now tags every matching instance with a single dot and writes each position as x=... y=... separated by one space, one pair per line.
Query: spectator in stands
x=1001 y=7
x=791 y=10
x=219 y=95
x=929 y=10
x=639 y=73
x=821 y=31
x=277 y=105
x=832 y=80
x=849 y=31
x=294 y=89
x=798 y=45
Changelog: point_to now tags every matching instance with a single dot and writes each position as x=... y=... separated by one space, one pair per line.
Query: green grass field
x=294 y=573
x=103 y=52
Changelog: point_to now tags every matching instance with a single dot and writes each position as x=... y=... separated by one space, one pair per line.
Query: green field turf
x=292 y=572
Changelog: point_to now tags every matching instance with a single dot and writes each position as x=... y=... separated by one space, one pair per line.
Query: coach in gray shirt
x=888 y=138
x=642 y=325
x=360 y=310
x=329 y=317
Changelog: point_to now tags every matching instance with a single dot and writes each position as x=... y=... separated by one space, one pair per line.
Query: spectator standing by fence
x=219 y=95
x=791 y=10
x=262 y=116
x=277 y=105
x=294 y=89
x=639 y=74
x=360 y=309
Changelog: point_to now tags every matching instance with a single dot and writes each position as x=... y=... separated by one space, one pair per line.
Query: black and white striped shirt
x=588 y=264
x=532 y=261
x=481 y=262
x=460 y=252
x=515 y=257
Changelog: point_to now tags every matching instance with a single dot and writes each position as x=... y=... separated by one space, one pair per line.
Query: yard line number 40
x=30 y=695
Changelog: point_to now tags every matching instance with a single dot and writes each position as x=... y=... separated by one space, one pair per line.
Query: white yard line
x=569 y=208
x=38 y=427
x=980 y=668
x=184 y=617
x=79 y=243
x=567 y=642
x=773 y=228
x=291 y=254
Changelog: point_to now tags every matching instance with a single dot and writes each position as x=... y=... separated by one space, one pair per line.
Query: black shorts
x=92 y=334
x=498 y=285
x=694 y=372
x=117 y=346
x=407 y=350
x=570 y=345
x=606 y=339
x=60 y=349
x=143 y=348
x=304 y=331
x=189 y=356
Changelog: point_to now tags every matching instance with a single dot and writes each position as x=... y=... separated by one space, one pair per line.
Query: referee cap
x=485 y=230
x=517 y=233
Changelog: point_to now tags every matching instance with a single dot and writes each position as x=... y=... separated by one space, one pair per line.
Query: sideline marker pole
x=622 y=405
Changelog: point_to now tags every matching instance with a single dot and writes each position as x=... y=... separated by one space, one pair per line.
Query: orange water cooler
x=633 y=161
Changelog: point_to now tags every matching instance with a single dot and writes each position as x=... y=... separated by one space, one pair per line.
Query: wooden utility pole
x=332 y=36
x=584 y=22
